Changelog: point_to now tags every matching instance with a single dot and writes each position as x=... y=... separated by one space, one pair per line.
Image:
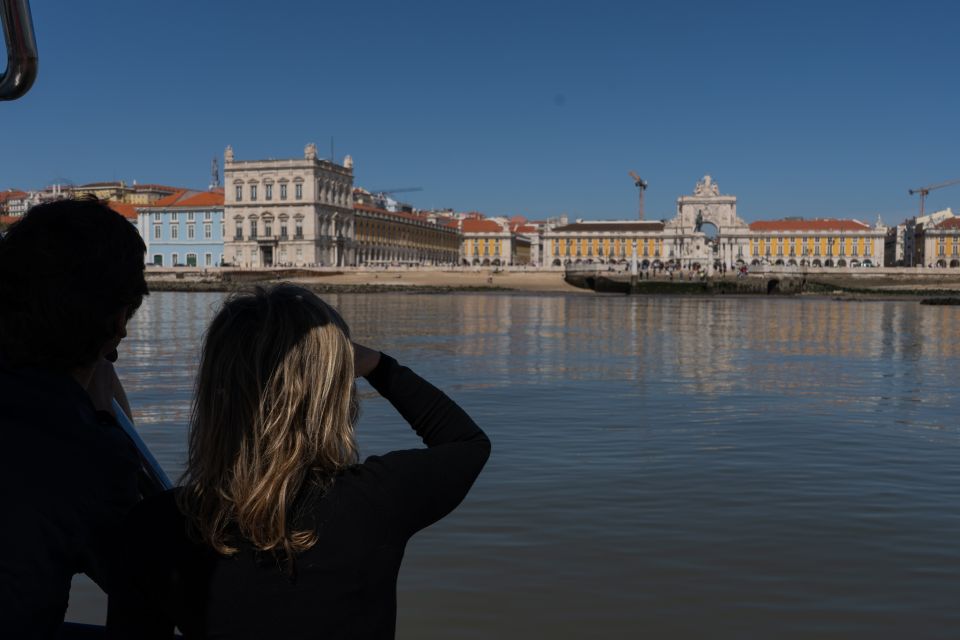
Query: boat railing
x=22 y=56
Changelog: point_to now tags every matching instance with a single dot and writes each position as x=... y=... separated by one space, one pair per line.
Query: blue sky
x=534 y=108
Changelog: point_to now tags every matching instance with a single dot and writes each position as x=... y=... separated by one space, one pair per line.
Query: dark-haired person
x=279 y=531
x=71 y=275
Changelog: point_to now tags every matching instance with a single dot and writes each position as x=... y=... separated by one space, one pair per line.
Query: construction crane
x=387 y=192
x=640 y=184
x=923 y=191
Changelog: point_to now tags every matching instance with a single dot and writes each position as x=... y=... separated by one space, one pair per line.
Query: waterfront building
x=826 y=242
x=490 y=242
x=401 y=237
x=707 y=233
x=940 y=243
x=182 y=229
x=291 y=211
x=605 y=242
x=904 y=245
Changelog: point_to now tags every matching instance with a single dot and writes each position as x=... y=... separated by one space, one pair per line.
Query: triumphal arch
x=706 y=233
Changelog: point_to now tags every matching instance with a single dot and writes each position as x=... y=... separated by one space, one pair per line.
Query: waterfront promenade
x=894 y=282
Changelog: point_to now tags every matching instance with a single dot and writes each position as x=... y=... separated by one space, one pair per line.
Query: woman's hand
x=364 y=360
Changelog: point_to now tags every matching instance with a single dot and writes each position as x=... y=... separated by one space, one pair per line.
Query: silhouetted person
x=71 y=275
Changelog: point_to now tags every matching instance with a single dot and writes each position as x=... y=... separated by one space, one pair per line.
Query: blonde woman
x=278 y=531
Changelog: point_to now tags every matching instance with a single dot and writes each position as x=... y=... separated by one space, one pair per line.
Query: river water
x=661 y=467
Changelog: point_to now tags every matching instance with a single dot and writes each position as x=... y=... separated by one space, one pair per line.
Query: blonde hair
x=274 y=413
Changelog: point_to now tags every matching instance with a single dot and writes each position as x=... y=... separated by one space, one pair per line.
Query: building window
x=253 y=192
x=268 y=191
x=157 y=260
x=206 y=215
x=283 y=191
x=190 y=217
x=191 y=231
x=175 y=258
x=156 y=232
x=208 y=260
x=268 y=229
x=283 y=230
x=298 y=191
x=191 y=259
x=173 y=217
x=299 y=253
x=253 y=229
x=156 y=217
x=238 y=234
x=207 y=231
x=174 y=231
x=239 y=193
x=298 y=230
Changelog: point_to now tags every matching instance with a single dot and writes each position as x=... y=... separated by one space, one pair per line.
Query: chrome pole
x=22 y=57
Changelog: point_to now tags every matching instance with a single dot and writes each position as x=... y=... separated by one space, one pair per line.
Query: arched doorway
x=828 y=262
x=841 y=262
x=940 y=263
x=556 y=262
x=817 y=263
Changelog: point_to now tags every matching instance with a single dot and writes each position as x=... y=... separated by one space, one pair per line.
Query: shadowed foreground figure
x=71 y=275
x=278 y=532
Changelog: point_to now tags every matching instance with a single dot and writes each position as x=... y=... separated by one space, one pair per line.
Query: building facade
x=385 y=237
x=488 y=242
x=185 y=229
x=289 y=212
x=708 y=234
x=940 y=243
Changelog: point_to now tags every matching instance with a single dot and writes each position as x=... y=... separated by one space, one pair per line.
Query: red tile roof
x=7 y=220
x=406 y=215
x=949 y=223
x=600 y=227
x=475 y=225
x=170 y=200
x=11 y=194
x=128 y=211
x=185 y=198
x=825 y=224
x=202 y=199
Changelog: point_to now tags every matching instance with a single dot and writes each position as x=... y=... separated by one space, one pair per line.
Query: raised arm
x=426 y=484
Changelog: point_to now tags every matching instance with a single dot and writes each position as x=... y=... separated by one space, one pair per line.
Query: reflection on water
x=662 y=466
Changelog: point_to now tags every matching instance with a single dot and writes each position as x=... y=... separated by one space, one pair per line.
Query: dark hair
x=66 y=268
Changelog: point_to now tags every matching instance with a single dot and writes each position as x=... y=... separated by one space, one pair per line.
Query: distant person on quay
x=71 y=276
x=278 y=531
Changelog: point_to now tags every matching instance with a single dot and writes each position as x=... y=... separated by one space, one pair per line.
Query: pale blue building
x=184 y=229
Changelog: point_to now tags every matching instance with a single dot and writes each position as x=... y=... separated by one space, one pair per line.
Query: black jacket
x=342 y=587
x=68 y=475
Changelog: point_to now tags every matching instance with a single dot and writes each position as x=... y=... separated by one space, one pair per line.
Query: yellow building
x=491 y=243
x=941 y=244
x=139 y=194
x=605 y=242
x=827 y=242
x=399 y=237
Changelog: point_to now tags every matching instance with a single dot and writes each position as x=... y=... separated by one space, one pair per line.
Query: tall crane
x=923 y=191
x=640 y=184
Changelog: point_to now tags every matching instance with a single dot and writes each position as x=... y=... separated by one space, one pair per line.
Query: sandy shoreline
x=371 y=281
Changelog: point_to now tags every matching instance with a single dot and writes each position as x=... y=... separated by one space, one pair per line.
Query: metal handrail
x=22 y=57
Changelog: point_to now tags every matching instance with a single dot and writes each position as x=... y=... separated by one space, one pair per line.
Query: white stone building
x=288 y=212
